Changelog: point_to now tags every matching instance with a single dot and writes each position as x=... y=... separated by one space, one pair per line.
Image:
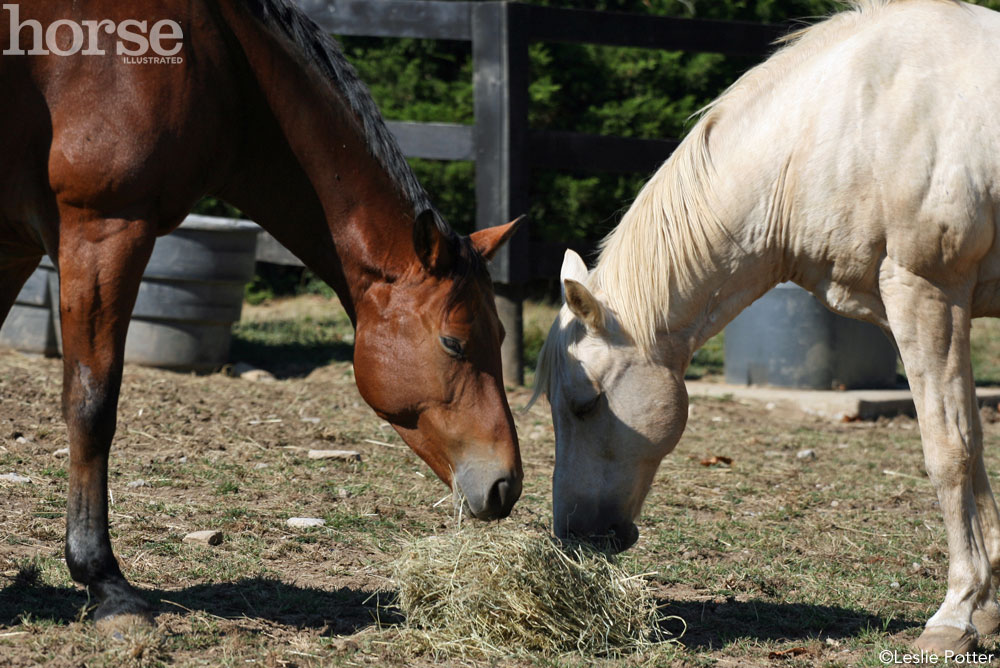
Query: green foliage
x=213 y=206
x=272 y=281
x=709 y=359
x=584 y=88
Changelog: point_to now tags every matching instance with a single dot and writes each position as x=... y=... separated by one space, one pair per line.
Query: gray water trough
x=190 y=296
x=29 y=325
x=788 y=339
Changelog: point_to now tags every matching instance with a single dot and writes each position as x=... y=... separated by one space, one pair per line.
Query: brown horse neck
x=311 y=178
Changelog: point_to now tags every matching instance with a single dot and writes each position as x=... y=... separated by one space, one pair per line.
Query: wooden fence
x=500 y=142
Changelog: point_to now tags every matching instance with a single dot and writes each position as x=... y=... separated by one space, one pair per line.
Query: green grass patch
x=303 y=342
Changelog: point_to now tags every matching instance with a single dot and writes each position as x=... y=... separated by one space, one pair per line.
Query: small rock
x=305 y=522
x=138 y=483
x=182 y=460
x=343 y=493
x=770 y=405
x=13 y=477
x=207 y=537
x=22 y=440
x=774 y=453
x=260 y=465
x=61 y=452
x=834 y=504
x=245 y=371
x=833 y=642
x=343 y=455
x=806 y=454
x=894 y=585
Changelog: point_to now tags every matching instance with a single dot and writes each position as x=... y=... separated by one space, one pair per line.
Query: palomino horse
x=119 y=116
x=861 y=161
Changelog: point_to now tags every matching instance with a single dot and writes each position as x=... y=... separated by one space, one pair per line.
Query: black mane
x=322 y=51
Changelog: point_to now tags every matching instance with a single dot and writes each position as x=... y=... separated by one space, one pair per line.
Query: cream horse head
x=616 y=415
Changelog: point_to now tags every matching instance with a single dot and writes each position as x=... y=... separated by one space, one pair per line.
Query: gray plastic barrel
x=29 y=325
x=788 y=339
x=191 y=294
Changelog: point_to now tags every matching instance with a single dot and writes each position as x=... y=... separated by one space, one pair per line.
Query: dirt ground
x=840 y=553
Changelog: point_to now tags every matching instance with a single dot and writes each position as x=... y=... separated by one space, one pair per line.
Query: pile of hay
x=505 y=592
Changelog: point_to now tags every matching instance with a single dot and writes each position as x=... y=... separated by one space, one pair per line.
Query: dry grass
x=505 y=592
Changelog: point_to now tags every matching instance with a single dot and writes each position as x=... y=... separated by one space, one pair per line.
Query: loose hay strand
x=490 y=592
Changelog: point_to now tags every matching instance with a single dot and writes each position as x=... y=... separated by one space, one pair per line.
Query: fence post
x=500 y=60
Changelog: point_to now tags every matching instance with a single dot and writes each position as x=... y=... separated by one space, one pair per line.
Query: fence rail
x=500 y=142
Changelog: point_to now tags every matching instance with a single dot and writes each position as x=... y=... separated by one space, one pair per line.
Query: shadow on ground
x=345 y=611
x=290 y=360
x=341 y=612
x=711 y=625
x=27 y=598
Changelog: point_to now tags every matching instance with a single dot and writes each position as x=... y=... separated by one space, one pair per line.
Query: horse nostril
x=503 y=494
x=625 y=536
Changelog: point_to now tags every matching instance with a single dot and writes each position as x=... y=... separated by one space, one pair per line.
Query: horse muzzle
x=617 y=537
x=489 y=493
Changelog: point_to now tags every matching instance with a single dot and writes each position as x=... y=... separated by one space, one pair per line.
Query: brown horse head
x=427 y=359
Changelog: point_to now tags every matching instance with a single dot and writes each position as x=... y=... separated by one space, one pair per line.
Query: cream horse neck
x=775 y=183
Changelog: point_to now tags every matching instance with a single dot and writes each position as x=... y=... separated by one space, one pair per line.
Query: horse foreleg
x=101 y=263
x=931 y=326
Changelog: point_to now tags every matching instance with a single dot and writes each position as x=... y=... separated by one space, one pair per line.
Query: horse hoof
x=941 y=639
x=118 y=627
x=987 y=619
x=122 y=606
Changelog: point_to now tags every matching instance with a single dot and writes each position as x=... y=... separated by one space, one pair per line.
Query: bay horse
x=862 y=162
x=119 y=116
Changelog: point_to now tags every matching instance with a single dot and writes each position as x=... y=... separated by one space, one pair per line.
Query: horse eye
x=452 y=346
x=581 y=410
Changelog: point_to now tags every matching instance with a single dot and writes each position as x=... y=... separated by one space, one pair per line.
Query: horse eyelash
x=452 y=346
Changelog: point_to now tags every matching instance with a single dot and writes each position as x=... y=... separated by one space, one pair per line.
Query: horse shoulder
x=125 y=135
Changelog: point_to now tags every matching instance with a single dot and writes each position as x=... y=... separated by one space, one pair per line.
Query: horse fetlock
x=986 y=618
x=90 y=558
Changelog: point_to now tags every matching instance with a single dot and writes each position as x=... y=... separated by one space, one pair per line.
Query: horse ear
x=583 y=304
x=573 y=268
x=431 y=244
x=489 y=241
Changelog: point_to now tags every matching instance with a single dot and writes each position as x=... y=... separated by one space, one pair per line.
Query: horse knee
x=950 y=464
x=90 y=406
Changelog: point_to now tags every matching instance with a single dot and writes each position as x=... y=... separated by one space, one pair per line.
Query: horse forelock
x=548 y=362
x=468 y=266
x=322 y=52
